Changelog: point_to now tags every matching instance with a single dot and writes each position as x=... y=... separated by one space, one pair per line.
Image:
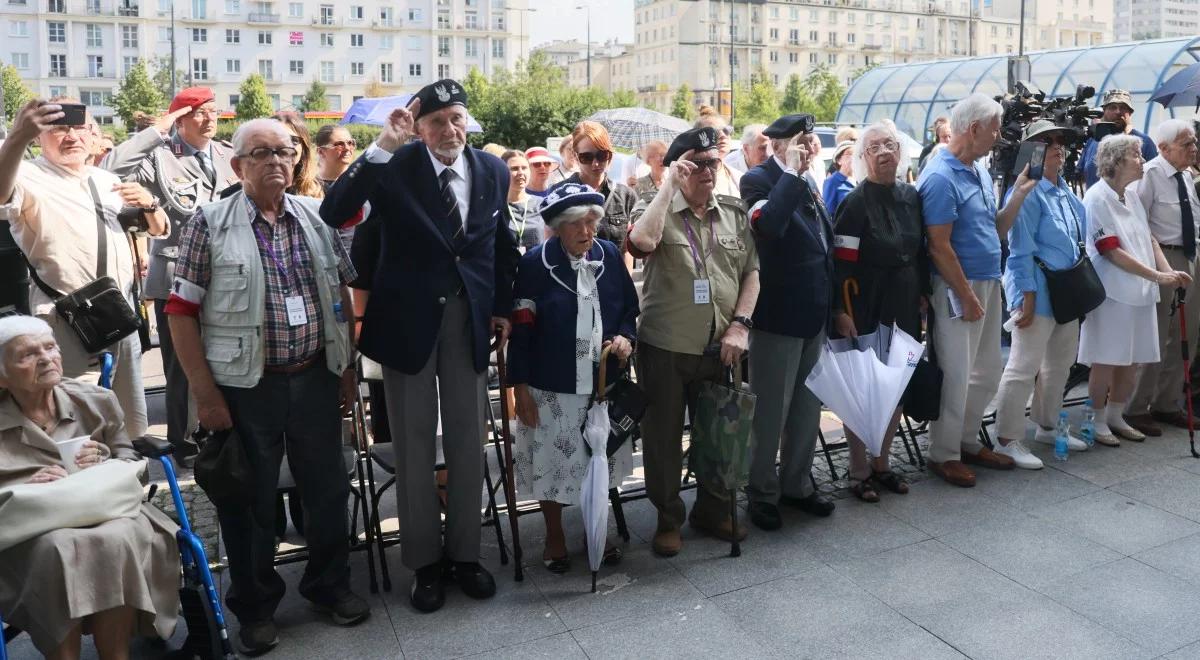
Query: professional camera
x=1021 y=108
x=1073 y=114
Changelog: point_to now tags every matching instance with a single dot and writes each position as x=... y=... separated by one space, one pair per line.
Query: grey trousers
x=1160 y=384
x=787 y=415
x=412 y=404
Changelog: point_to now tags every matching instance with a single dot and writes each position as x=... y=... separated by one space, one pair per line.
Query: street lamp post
x=172 y=48
x=732 y=61
x=588 y=9
x=524 y=17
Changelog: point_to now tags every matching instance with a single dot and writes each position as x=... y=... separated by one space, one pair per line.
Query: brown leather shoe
x=667 y=543
x=722 y=530
x=1176 y=419
x=1145 y=424
x=989 y=459
x=953 y=472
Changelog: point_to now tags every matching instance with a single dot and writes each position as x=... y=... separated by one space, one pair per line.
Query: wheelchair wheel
x=204 y=636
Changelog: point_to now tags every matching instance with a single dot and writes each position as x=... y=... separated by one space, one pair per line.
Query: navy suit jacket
x=795 y=269
x=419 y=268
x=542 y=352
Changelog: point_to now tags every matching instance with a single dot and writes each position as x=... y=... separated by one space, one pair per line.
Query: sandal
x=612 y=556
x=891 y=481
x=558 y=566
x=864 y=491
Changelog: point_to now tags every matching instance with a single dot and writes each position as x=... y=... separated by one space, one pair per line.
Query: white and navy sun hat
x=566 y=195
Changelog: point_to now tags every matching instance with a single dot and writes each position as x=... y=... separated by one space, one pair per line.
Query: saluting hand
x=399 y=127
x=166 y=120
x=680 y=169
x=797 y=156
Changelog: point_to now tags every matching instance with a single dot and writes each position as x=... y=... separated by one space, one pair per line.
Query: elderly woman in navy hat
x=573 y=297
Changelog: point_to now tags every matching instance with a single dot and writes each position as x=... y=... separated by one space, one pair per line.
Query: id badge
x=701 y=293
x=295 y=310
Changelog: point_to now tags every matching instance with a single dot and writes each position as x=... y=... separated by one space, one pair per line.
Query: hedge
x=362 y=134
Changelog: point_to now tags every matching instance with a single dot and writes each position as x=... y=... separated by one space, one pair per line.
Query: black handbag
x=1074 y=291
x=98 y=311
x=627 y=403
x=222 y=469
x=922 y=398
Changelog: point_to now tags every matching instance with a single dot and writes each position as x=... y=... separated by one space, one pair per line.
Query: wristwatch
x=744 y=320
x=153 y=208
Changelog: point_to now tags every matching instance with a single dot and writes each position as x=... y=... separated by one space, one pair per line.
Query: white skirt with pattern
x=550 y=460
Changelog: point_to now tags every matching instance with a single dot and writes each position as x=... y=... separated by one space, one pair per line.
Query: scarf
x=588 y=337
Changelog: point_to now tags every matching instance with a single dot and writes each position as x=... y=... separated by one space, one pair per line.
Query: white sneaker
x=1016 y=450
x=1048 y=437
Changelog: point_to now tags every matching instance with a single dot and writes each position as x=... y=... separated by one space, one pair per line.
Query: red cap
x=538 y=155
x=192 y=97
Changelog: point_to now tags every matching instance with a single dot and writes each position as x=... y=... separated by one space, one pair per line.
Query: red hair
x=592 y=131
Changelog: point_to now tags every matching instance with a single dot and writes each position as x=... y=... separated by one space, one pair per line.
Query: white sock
x=1101 y=428
x=1113 y=415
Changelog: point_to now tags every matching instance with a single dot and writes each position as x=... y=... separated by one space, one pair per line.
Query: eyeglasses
x=262 y=154
x=880 y=148
x=349 y=144
x=211 y=113
x=710 y=163
x=543 y=163
x=589 y=157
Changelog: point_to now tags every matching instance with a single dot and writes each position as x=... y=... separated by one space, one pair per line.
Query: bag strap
x=929 y=337
x=101 y=232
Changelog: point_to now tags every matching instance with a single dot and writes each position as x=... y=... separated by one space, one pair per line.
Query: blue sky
x=558 y=19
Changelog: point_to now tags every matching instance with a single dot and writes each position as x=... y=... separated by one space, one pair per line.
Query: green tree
x=683 y=104
x=795 y=96
x=314 y=98
x=162 y=77
x=757 y=101
x=374 y=89
x=253 y=101
x=826 y=92
x=623 y=98
x=137 y=92
x=16 y=92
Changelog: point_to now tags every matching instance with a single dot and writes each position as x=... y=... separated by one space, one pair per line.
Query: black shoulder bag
x=922 y=398
x=1077 y=290
x=98 y=312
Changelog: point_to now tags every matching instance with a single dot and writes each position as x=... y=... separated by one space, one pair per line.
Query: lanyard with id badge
x=701 y=286
x=296 y=313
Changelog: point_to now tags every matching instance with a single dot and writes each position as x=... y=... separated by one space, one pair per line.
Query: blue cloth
x=834 y=190
x=1088 y=159
x=541 y=349
x=1048 y=226
x=951 y=192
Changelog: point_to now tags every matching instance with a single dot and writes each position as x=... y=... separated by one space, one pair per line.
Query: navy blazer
x=795 y=269
x=542 y=349
x=419 y=268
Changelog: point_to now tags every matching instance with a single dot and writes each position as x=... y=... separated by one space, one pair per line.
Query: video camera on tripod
x=1028 y=104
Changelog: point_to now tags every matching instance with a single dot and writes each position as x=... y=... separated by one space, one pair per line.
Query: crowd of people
x=278 y=258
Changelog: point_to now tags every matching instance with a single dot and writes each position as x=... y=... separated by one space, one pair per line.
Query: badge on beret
x=703 y=139
x=698 y=139
x=441 y=94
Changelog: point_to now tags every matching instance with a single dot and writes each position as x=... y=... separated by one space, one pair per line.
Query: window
x=356 y=12
x=296 y=67
x=234 y=99
x=295 y=10
x=833 y=38
x=335 y=102
x=385 y=16
x=199 y=9
x=94 y=37
x=356 y=41
x=793 y=58
x=414 y=15
x=443 y=71
x=327 y=39
x=95 y=97
x=812 y=58
x=127 y=64
x=274 y=101
x=58 y=67
x=233 y=6
x=234 y=67
x=326 y=14
x=832 y=59
x=297 y=100
x=95 y=66
x=327 y=71
x=849 y=37
x=414 y=43
x=385 y=72
x=233 y=36
x=56 y=6
x=164 y=34
x=498 y=22
x=472 y=22
x=264 y=38
x=444 y=46
x=443 y=22
x=414 y=70
x=199 y=35
x=19 y=29
x=129 y=36
x=356 y=68
x=266 y=68
x=498 y=48
x=386 y=41
x=813 y=36
x=20 y=60
x=56 y=32
x=199 y=68
x=470 y=48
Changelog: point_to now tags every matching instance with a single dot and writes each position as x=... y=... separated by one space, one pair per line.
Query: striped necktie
x=452 y=222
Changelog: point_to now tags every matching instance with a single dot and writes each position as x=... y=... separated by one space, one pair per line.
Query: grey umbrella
x=630 y=128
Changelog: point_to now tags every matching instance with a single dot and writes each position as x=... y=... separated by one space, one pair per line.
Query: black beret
x=789 y=125
x=441 y=94
x=700 y=139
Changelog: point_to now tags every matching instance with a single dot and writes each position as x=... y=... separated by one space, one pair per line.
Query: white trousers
x=1042 y=352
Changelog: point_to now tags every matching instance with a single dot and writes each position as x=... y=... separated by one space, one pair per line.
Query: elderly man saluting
x=700 y=289
x=443 y=287
x=794 y=237
x=254 y=311
x=182 y=171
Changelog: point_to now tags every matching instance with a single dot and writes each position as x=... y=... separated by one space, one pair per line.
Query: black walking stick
x=510 y=488
x=1180 y=305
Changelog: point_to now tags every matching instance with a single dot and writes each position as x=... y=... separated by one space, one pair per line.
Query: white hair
x=859 y=161
x=261 y=125
x=1113 y=151
x=12 y=327
x=751 y=132
x=975 y=109
x=575 y=214
x=1170 y=130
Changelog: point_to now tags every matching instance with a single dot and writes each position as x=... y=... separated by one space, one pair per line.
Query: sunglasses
x=589 y=157
x=542 y=163
x=710 y=163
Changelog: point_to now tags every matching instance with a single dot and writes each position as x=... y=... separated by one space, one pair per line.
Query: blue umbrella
x=1182 y=89
x=375 y=111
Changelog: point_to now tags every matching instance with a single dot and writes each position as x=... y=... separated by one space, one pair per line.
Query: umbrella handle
x=850 y=283
x=601 y=384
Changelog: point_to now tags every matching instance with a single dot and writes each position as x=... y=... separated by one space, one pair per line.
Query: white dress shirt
x=1159 y=195
x=1109 y=218
x=460 y=185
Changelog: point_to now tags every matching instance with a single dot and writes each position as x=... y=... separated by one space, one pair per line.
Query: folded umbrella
x=593 y=496
x=861 y=380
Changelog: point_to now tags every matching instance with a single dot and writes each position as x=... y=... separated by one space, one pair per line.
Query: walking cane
x=510 y=489
x=1180 y=305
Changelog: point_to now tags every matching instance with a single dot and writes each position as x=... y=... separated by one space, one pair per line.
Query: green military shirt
x=671 y=319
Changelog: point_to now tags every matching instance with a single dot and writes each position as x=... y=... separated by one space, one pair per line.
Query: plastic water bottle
x=1060 y=437
x=1088 y=427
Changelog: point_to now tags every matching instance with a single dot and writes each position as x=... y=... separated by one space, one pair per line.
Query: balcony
x=257 y=17
x=326 y=21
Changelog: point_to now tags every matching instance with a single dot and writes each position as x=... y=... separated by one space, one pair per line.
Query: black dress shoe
x=473 y=579
x=765 y=516
x=428 y=594
x=814 y=504
x=258 y=637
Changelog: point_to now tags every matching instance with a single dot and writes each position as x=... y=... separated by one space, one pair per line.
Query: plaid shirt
x=285 y=343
